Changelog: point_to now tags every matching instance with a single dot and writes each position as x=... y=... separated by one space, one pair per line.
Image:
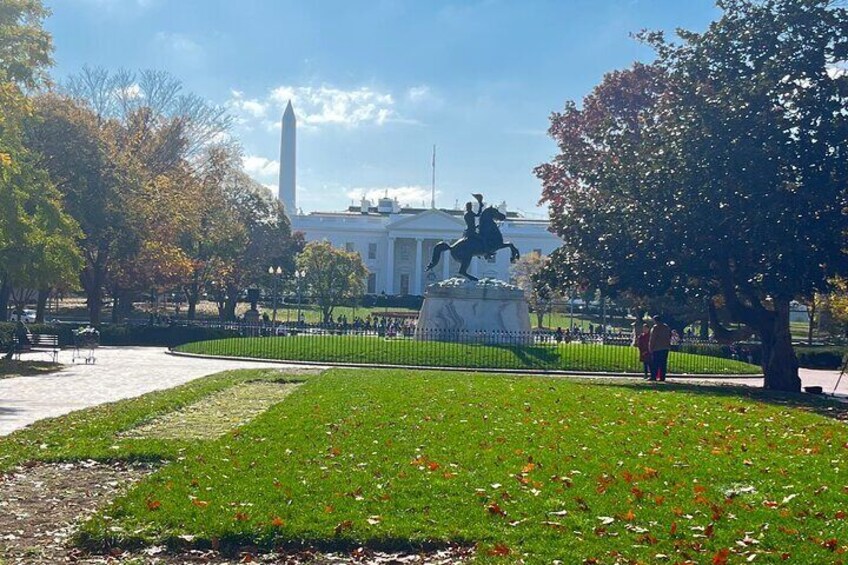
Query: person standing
x=658 y=344
x=642 y=343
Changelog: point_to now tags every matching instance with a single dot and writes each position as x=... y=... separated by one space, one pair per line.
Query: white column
x=446 y=259
x=419 y=257
x=390 y=267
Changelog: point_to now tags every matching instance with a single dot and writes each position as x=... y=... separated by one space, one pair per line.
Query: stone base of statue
x=484 y=311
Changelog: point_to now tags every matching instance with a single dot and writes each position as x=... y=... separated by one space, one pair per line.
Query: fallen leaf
x=721 y=557
x=342 y=526
x=499 y=550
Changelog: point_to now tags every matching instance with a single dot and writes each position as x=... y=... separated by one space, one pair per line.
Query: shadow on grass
x=533 y=357
x=235 y=544
x=818 y=404
x=10 y=368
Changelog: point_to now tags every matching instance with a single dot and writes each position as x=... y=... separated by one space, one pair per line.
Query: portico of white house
x=396 y=248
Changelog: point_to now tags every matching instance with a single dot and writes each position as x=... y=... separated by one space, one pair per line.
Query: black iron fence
x=402 y=345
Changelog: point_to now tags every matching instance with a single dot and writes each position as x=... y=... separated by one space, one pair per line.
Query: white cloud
x=318 y=106
x=249 y=106
x=262 y=169
x=838 y=70
x=421 y=93
x=315 y=106
x=180 y=46
x=407 y=195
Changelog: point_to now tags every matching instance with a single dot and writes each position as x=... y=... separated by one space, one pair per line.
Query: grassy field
x=526 y=468
x=96 y=433
x=522 y=467
x=374 y=350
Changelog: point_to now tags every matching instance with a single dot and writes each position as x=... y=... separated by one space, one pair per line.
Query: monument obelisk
x=288 y=160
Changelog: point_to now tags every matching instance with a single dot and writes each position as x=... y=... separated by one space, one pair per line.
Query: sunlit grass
x=540 y=468
x=374 y=350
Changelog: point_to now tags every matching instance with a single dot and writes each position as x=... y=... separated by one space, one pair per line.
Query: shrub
x=821 y=357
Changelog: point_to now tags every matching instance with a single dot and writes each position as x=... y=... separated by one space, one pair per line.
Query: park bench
x=43 y=343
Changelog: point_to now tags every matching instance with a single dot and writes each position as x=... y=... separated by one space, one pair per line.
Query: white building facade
x=397 y=243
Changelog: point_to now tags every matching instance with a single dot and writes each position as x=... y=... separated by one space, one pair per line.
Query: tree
x=74 y=148
x=525 y=273
x=332 y=275
x=718 y=172
x=37 y=238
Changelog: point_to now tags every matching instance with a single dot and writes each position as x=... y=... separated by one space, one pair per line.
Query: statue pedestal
x=485 y=311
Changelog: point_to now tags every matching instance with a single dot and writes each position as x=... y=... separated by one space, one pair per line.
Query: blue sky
x=375 y=84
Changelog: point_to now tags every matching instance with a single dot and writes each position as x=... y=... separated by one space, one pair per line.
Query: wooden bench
x=42 y=343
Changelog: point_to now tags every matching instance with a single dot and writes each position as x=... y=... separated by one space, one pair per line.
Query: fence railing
x=403 y=346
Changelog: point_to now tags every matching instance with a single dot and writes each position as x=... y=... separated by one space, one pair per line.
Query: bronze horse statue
x=486 y=243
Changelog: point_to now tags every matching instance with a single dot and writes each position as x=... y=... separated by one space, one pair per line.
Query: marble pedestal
x=484 y=311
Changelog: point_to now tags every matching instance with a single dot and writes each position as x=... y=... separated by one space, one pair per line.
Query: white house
x=396 y=243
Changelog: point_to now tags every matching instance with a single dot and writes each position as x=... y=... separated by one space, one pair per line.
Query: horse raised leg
x=440 y=248
x=514 y=254
x=463 y=269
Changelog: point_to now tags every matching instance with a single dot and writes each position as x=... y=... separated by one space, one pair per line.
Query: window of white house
x=372 y=283
x=537 y=252
x=349 y=246
x=372 y=250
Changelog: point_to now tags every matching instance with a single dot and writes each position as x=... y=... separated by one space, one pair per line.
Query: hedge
x=124 y=334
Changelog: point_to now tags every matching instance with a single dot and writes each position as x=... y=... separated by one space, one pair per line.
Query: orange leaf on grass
x=499 y=550
x=277 y=522
x=153 y=504
x=241 y=517
x=199 y=503
x=721 y=557
x=342 y=526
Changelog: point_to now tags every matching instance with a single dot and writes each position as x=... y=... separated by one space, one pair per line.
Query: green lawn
x=374 y=350
x=94 y=433
x=529 y=467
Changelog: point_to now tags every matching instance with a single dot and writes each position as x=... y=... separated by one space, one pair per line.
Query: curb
x=458 y=369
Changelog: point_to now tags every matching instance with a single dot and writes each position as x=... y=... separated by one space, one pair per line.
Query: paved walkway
x=120 y=372
x=125 y=372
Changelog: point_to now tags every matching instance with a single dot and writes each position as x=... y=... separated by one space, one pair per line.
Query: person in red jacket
x=641 y=342
x=659 y=345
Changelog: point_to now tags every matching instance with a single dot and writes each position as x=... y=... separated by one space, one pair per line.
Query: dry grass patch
x=216 y=414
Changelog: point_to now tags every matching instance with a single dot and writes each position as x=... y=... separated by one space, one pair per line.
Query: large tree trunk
x=811 y=313
x=192 y=292
x=5 y=292
x=780 y=366
x=92 y=279
x=41 y=305
x=231 y=303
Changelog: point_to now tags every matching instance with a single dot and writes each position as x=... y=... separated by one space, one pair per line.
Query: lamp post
x=272 y=271
x=299 y=275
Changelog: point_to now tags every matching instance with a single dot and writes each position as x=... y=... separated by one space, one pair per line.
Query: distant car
x=25 y=315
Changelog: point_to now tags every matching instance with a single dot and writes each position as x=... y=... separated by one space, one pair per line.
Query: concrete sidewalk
x=119 y=372
x=126 y=372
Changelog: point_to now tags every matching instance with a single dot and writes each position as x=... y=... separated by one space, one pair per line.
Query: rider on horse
x=481 y=241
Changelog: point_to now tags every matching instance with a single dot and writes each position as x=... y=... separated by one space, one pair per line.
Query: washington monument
x=288 y=160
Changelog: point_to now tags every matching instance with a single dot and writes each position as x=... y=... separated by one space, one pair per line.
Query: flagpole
x=433 y=187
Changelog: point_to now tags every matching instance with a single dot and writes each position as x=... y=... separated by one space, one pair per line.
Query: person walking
x=658 y=344
x=642 y=342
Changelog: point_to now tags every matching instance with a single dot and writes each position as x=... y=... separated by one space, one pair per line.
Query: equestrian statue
x=482 y=238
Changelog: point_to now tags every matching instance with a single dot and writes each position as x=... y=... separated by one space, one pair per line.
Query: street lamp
x=272 y=271
x=299 y=275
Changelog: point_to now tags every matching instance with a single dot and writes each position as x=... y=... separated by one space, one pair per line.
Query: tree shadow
x=10 y=368
x=820 y=404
